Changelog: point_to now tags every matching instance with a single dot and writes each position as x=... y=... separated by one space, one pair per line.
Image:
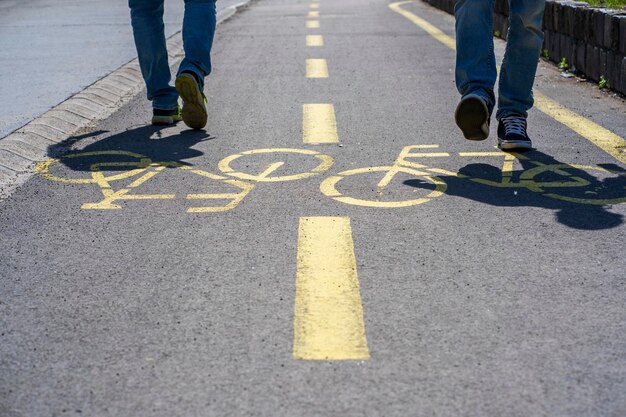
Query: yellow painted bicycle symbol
x=237 y=185
x=554 y=180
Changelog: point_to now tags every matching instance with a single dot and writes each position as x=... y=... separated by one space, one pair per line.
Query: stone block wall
x=593 y=40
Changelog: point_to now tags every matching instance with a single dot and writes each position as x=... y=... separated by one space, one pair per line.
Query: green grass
x=614 y=4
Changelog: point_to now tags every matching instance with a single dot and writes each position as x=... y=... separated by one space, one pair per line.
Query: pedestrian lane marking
x=319 y=124
x=312 y=24
x=314 y=40
x=313 y=14
x=328 y=314
x=603 y=138
x=316 y=68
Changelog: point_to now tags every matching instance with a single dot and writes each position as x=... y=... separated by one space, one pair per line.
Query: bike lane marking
x=316 y=68
x=603 y=138
x=328 y=314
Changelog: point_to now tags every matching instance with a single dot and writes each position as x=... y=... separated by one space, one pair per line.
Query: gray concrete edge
x=21 y=150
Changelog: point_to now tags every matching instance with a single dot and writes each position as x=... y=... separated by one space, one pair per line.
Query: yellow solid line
x=316 y=68
x=432 y=30
x=312 y=24
x=328 y=315
x=603 y=138
x=598 y=135
x=319 y=124
x=314 y=40
x=313 y=14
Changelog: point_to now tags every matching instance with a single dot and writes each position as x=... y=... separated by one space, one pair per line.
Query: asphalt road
x=199 y=285
x=52 y=49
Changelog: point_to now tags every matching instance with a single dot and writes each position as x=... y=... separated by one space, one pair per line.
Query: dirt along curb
x=22 y=149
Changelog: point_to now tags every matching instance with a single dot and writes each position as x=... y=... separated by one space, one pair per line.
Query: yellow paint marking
x=319 y=124
x=312 y=24
x=603 y=138
x=401 y=161
x=328 y=315
x=314 y=40
x=314 y=6
x=329 y=187
x=326 y=162
x=316 y=68
x=430 y=29
x=313 y=13
x=598 y=135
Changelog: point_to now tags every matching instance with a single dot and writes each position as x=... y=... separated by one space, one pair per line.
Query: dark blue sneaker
x=473 y=115
x=512 y=134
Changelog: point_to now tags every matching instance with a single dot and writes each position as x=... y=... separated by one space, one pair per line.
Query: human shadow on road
x=156 y=143
x=579 y=197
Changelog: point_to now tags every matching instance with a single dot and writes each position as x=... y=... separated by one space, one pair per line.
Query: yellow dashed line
x=314 y=40
x=316 y=68
x=319 y=124
x=328 y=315
x=314 y=14
x=312 y=24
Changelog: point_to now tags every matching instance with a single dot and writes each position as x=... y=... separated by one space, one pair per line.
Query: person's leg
x=475 y=60
x=524 y=41
x=149 y=34
x=517 y=75
x=198 y=30
x=475 y=66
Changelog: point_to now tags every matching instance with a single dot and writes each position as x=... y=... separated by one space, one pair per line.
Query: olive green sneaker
x=194 y=112
x=166 y=117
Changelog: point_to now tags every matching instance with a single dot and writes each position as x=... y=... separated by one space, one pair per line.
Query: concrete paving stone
x=68 y=117
x=23 y=149
x=95 y=99
x=45 y=131
x=122 y=81
x=113 y=88
x=14 y=161
x=56 y=122
x=83 y=108
x=622 y=34
x=33 y=139
x=100 y=91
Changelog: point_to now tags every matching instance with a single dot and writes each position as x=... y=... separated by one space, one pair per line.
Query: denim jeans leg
x=524 y=41
x=198 y=31
x=475 y=59
x=149 y=32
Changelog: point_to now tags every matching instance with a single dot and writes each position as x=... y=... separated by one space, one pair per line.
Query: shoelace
x=514 y=125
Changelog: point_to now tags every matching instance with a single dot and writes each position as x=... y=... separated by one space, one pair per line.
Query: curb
x=22 y=149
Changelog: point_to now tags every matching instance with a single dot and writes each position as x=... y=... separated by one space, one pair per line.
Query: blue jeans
x=149 y=32
x=476 y=62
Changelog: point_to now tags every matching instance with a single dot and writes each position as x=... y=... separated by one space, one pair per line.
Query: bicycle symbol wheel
x=325 y=163
x=140 y=164
x=329 y=187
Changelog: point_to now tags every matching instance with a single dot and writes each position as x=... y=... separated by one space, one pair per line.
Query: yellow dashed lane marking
x=314 y=40
x=316 y=68
x=596 y=134
x=314 y=6
x=313 y=14
x=328 y=315
x=312 y=24
x=319 y=124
